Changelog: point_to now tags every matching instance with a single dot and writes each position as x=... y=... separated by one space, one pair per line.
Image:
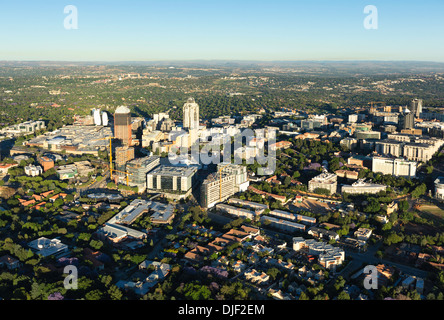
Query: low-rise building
x=258 y=208
x=9 y=262
x=238 y=212
x=282 y=224
x=257 y=277
x=33 y=171
x=328 y=256
x=363 y=234
x=327 y=181
x=361 y=187
x=67 y=172
x=439 y=188
x=293 y=216
x=323 y=233
x=46 y=247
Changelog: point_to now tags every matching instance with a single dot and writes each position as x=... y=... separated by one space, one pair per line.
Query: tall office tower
x=123 y=155
x=416 y=107
x=406 y=120
x=104 y=118
x=97 y=117
x=122 y=125
x=190 y=115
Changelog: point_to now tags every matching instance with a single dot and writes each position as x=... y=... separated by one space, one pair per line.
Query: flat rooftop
x=174 y=171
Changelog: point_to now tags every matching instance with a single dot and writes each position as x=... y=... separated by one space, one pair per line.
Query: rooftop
x=174 y=171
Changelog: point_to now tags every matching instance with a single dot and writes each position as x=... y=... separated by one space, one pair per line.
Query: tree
x=273 y=273
x=94 y=295
x=96 y=244
x=115 y=293
x=343 y=296
x=403 y=205
x=419 y=191
x=303 y=296
x=392 y=238
x=340 y=283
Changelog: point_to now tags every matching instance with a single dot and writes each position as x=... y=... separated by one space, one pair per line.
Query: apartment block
x=217 y=188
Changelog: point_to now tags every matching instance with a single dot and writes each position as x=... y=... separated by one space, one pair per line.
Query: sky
x=279 y=30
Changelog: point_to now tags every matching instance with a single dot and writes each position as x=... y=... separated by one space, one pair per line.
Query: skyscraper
x=190 y=115
x=406 y=120
x=97 y=117
x=122 y=125
x=416 y=107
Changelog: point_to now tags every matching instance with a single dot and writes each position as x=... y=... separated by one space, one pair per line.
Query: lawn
x=432 y=212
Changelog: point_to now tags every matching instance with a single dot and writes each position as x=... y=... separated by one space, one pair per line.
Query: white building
x=33 y=170
x=328 y=256
x=97 y=117
x=361 y=187
x=46 y=247
x=363 y=234
x=352 y=118
x=241 y=182
x=439 y=188
x=396 y=167
x=190 y=115
x=325 y=180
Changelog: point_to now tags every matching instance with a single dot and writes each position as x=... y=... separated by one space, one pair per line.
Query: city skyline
x=196 y=30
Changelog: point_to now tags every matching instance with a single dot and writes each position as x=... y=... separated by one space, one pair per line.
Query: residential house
x=9 y=262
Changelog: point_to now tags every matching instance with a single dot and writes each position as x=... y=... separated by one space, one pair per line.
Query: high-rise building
x=123 y=155
x=104 y=118
x=138 y=168
x=190 y=115
x=214 y=189
x=416 y=107
x=406 y=120
x=97 y=117
x=241 y=182
x=122 y=125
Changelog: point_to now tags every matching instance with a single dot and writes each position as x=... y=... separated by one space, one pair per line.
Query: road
x=360 y=259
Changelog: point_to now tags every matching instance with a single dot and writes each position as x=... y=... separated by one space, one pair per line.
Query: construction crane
x=111 y=159
x=127 y=174
x=110 y=153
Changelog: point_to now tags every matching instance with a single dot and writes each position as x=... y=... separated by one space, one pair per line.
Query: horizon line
x=218 y=60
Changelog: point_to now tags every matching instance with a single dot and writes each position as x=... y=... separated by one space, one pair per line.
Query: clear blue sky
x=148 y=30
